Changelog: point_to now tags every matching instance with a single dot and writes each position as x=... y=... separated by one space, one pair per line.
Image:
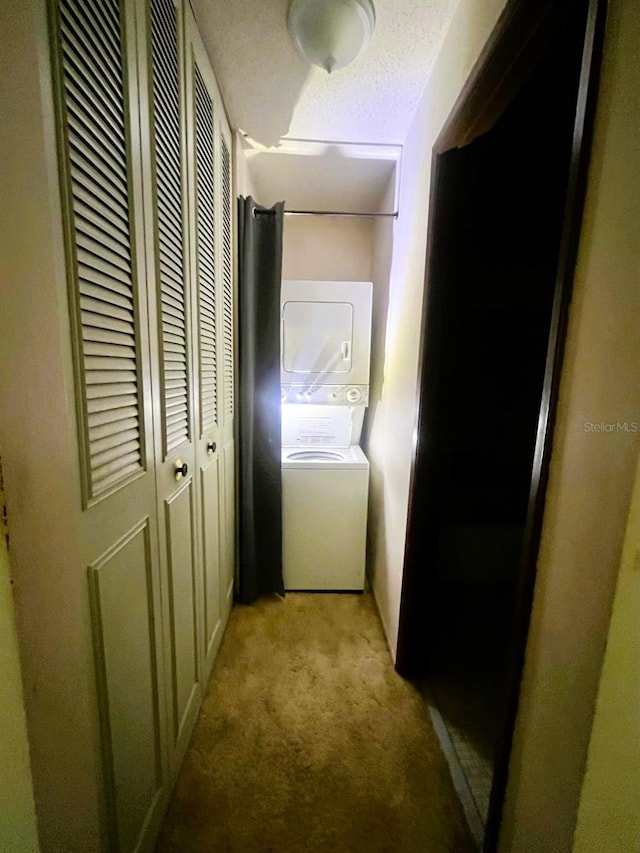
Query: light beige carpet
x=308 y=741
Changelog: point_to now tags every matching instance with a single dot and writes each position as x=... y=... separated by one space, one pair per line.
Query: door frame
x=514 y=48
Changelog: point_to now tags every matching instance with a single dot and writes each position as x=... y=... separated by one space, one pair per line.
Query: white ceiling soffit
x=323 y=176
x=271 y=92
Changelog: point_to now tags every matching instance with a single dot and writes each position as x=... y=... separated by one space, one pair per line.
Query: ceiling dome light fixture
x=331 y=33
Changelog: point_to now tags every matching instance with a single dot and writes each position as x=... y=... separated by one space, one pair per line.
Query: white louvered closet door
x=145 y=154
x=211 y=267
x=172 y=292
x=98 y=137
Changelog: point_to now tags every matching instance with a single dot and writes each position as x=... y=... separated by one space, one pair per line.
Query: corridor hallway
x=309 y=742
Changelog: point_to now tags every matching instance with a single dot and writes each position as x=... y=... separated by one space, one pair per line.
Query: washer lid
x=314 y=458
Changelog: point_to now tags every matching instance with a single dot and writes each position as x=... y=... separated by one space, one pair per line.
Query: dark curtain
x=260 y=503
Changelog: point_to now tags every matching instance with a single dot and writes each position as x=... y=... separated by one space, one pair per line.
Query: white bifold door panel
x=145 y=174
x=209 y=146
x=118 y=525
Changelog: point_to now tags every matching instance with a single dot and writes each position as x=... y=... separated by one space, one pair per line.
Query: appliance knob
x=353 y=395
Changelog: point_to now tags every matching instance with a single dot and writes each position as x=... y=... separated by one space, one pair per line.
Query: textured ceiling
x=270 y=92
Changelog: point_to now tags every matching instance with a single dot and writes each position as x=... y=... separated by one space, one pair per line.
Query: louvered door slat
x=108 y=416
x=166 y=95
x=109 y=349
x=93 y=255
x=165 y=167
x=107 y=377
x=90 y=178
x=118 y=251
x=96 y=219
x=175 y=430
x=76 y=69
x=175 y=424
x=174 y=362
x=102 y=136
x=107 y=216
x=166 y=15
x=105 y=363
x=106 y=8
x=107 y=445
x=207 y=313
x=118 y=450
x=106 y=391
x=172 y=393
x=173 y=316
x=173 y=286
x=169 y=248
x=172 y=328
x=227 y=283
x=167 y=146
x=104 y=171
x=174 y=301
x=172 y=408
x=107 y=294
x=102 y=321
x=113 y=186
x=88 y=239
x=95 y=277
x=85 y=42
x=107 y=309
x=109 y=475
x=90 y=59
x=91 y=333
x=112 y=429
x=174 y=388
x=170 y=245
x=208 y=277
x=84 y=179
x=120 y=401
x=101 y=22
x=172 y=339
x=205 y=250
x=169 y=215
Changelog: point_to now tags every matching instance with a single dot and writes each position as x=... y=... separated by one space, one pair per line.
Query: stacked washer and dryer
x=325 y=349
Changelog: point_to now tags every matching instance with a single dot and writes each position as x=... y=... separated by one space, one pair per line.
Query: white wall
x=609 y=817
x=392 y=432
x=329 y=248
x=591 y=474
x=244 y=184
x=380 y=273
x=18 y=832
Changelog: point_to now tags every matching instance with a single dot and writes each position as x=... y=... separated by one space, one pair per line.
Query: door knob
x=211 y=447
x=181 y=469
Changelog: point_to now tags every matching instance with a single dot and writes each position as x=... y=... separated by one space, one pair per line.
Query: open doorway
x=507 y=179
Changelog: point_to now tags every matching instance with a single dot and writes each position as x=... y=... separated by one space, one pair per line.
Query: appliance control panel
x=337 y=395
